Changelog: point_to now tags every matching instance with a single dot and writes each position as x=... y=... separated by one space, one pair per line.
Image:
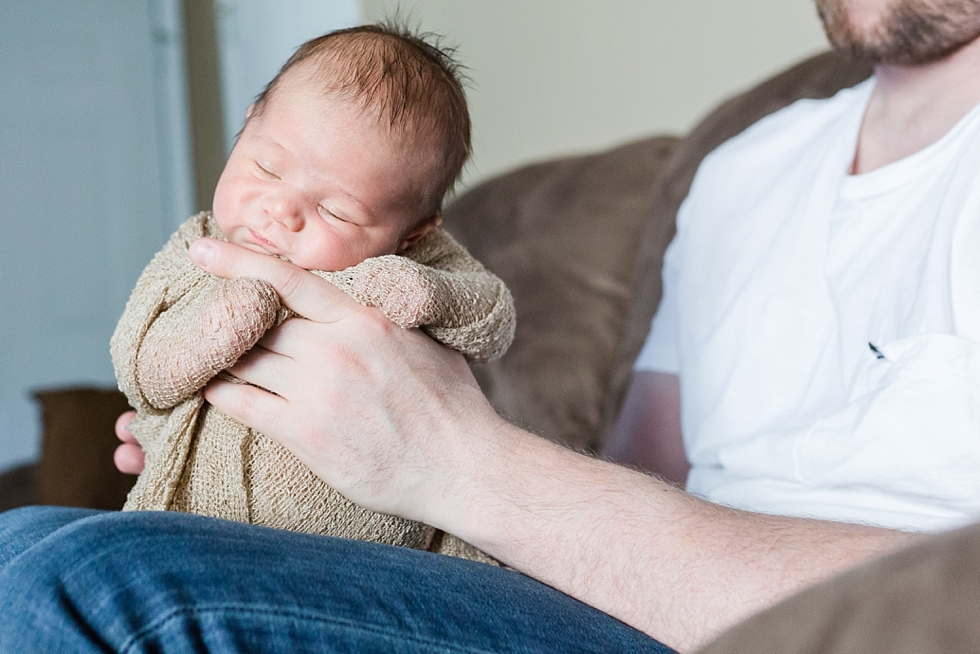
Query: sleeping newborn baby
x=341 y=168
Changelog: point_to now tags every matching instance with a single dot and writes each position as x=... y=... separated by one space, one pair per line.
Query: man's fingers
x=122 y=427
x=300 y=290
x=292 y=338
x=255 y=407
x=129 y=459
x=262 y=368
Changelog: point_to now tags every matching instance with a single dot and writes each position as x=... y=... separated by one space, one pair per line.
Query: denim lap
x=24 y=527
x=175 y=582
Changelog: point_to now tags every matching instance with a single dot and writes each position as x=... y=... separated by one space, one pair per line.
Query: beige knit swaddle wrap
x=199 y=460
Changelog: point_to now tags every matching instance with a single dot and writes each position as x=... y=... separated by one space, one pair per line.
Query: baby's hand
x=190 y=343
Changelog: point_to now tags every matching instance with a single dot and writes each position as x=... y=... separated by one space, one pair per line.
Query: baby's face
x=314 y=181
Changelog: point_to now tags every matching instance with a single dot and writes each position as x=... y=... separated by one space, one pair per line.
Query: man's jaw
x=905 y=33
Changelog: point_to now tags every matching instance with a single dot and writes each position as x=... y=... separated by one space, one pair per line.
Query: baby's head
x=349 y=151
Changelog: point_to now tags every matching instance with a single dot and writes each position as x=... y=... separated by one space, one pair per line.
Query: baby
x=341 y=168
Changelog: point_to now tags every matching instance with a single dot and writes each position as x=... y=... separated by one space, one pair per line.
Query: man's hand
x=371 y=408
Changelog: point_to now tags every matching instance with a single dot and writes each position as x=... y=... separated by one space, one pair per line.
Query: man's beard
x=908 y=33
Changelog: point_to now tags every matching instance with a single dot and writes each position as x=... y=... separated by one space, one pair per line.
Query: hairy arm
x=676 y=567
x=397 y=423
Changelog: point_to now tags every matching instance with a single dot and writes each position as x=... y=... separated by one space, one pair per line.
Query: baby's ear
x=420 y=230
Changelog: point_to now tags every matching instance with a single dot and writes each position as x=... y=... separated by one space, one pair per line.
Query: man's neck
x=912 y=107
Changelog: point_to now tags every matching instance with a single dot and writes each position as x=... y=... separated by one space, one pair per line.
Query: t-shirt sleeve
x=660 y=351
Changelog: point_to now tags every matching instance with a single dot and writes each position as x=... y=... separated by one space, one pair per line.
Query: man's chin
x=906 y=33
x=903 y=57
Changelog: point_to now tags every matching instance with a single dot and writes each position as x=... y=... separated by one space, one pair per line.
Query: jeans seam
x=137 y=638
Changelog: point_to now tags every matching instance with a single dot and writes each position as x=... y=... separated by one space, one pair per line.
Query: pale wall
x=256 y=37
x=561 y=76
x=88 y=165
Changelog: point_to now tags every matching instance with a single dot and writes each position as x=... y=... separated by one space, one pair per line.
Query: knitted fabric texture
x=182 y=326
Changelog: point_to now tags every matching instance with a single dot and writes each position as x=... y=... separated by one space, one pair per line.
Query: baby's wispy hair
x=410 y=81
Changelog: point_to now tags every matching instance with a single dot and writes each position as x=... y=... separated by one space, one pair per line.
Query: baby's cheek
x=323 y=254
x=220 y=217
x=227 y=207
x=232 y=229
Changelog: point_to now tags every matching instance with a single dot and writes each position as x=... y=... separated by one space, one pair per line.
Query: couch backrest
x=580 y=242
x=564 y=236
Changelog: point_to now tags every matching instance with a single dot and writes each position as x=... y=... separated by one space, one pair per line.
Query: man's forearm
x=676 y=567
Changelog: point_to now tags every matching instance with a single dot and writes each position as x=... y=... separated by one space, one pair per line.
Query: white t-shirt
x=826 y=327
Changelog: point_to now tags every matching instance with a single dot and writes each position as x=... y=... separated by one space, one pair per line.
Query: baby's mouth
x=265 y=243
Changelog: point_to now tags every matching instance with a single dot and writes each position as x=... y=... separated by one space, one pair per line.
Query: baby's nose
x=287 y=212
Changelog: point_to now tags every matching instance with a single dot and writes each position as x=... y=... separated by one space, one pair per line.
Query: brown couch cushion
x=563 y=235
x=580 y=241
x=923 y=599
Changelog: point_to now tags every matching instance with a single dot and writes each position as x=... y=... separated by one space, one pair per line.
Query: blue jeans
x=74 y=580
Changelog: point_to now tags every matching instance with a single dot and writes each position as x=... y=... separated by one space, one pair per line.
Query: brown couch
x=580 y=241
